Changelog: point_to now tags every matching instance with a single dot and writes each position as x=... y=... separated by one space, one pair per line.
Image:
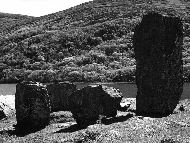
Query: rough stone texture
x=88 y=103
x=59 y=94
x=32 y=105
x=158 y=51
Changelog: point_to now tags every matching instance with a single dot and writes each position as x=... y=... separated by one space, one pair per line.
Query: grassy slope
x=97 y=36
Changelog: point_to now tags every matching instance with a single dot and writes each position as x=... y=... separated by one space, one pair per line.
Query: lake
x=128 y=89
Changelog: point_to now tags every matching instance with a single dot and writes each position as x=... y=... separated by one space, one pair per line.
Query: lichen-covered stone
x=59 y=94
x=32 y=105
x=88 y=103
x=157 y=44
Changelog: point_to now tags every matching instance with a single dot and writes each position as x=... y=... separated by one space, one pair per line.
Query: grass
x=126 y=127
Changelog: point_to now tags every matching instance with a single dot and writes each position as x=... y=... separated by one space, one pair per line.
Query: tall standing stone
x=158 y=51
x=59 y=95
x=32 y=105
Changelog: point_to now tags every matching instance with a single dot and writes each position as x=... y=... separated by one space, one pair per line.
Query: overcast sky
x=37 y=7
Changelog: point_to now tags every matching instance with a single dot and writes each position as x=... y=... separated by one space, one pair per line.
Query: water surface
x=128 y=89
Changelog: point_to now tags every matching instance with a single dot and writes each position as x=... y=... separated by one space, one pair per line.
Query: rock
x=59 y=93
x=157 y=45
x=2 y=114
x=124 y=106
x=32 y=105
x=181 y=108
x=131 y=101
x=90 y=102
x=5 y=110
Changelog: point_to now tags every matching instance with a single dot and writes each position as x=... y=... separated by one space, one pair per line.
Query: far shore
x=128 y=89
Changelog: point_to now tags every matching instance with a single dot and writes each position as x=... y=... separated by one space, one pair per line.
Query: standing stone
x=32 y=105
x=158 y=51
x=59 y=94
x=91 y=101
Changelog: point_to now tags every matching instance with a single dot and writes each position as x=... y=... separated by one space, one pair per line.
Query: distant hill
x=8 y=21
x=88 y=42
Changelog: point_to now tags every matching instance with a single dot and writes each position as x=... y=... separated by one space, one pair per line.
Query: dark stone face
x=59 y=95
x=91 y=101
x=158 y=52
x=2 y=114
x=32 y=105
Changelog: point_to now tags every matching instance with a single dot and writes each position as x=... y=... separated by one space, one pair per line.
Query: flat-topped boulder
x=59 y=93
x=90 y=102
x=157 y=42
x=32 y=105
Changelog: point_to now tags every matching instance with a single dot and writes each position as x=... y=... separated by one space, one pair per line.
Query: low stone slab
x=32 y=105
x=88 y=103
x=59 y=94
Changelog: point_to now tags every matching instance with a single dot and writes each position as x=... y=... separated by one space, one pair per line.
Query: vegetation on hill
x=9 y=21
x=90 y=42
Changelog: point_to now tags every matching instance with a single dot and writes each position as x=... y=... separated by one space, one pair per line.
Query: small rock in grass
x=5 y=110
x=181 y=108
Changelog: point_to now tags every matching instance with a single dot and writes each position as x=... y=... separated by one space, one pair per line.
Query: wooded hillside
x=89 y=42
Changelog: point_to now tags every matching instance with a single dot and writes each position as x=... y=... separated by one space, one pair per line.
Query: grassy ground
x=126 y=127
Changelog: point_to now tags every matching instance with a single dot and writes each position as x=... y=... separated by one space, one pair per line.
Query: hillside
x=8 y=21
x=89 y=42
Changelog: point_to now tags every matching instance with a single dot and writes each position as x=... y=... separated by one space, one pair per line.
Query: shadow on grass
x=106 y=121
x=19 y=132
x=14 y=133
x=61 y=117
x=70 y=129
x=131 y=110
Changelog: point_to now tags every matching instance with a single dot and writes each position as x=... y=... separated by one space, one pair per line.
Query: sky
x=37 y=7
